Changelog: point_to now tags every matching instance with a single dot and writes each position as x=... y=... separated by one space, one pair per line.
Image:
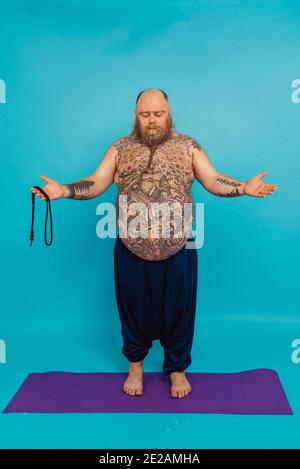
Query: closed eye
x=157 y=114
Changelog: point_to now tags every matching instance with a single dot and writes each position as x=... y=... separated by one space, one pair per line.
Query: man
x=155 y=275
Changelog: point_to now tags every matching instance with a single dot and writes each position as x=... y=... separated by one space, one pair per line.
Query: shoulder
x=119 y=141
x=123 y=142
x=190 y=142
x=120 y=146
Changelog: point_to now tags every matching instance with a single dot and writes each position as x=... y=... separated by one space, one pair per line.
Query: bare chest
x=169 y=162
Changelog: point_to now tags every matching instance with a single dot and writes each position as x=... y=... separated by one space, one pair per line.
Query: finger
x=268 y=188
x=258 y=194
x=268 y=192
x=38 y=193
x=262 y=174
x=45 y=179
x=265 y=190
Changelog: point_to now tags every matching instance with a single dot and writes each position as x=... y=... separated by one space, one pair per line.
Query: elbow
x=210 y=182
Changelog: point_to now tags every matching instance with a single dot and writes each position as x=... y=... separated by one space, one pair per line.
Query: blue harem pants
x=157 y=300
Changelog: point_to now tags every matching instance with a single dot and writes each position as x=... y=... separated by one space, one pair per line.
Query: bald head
x=153 y=121
x=152 y=97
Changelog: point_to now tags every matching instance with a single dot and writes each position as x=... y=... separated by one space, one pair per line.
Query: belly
x=154 y=249
x=154 y=226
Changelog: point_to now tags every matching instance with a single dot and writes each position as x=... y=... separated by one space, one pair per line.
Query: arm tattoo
x=195 y=144
x=81 y=190
x=233 y=193
x=229 y=183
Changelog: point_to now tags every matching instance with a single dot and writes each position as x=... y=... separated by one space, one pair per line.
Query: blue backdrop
x=71 y=71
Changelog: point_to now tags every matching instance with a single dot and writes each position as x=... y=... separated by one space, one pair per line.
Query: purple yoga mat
x=248 y=392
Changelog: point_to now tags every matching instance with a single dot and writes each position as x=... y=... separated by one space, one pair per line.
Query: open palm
x=53 y=189
x=257 y=188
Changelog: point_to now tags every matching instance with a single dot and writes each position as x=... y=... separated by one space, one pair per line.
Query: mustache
x=149 y=138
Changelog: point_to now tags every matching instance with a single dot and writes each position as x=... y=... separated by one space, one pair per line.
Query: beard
x=150 y=137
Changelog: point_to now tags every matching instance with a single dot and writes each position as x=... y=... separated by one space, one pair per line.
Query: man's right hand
x=53 y=189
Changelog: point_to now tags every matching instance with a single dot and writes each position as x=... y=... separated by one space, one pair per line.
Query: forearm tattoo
x=229 y=193
x=81 y=190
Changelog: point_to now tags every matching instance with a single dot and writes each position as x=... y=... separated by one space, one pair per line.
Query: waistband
x=191 y=238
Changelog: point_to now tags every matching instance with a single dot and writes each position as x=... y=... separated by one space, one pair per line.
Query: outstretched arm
x=86 y=188
x=225 y=186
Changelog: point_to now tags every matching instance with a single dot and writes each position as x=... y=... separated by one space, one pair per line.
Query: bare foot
x=134 y=382
x=180 y=386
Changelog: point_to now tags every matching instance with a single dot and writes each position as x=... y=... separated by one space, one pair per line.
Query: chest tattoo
x=152 y=177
